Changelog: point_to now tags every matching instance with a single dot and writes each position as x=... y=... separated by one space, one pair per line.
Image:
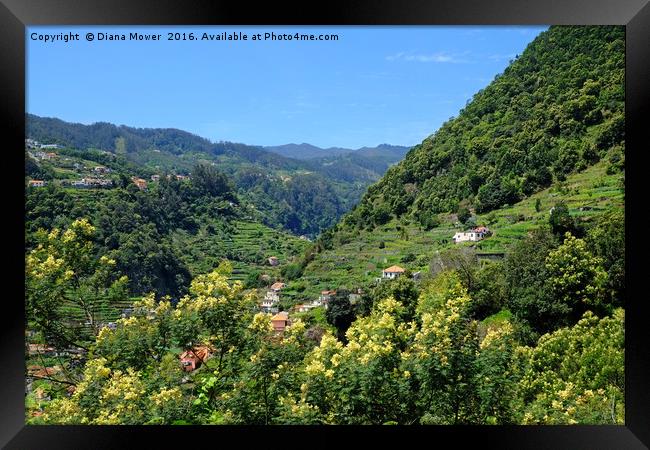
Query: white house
x=475 y=234
x=268 y=305
x=270 y=301
x=101 y=169
x=392 y=272
x=273 y=296
x=465 y=236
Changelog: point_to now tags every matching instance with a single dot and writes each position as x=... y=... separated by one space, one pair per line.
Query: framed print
x=328 y=220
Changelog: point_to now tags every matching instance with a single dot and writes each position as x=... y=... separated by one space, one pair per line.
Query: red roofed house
x=280 y=321
x=192 y=359
x=276 y=287
x=392 y=272
x=139 y=182
x=482 y=231
x=36 y=183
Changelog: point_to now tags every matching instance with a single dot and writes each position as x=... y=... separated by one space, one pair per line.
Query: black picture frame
x=15 y=15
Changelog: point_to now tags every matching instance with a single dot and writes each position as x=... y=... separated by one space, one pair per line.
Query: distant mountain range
x=301 y=188
x=308 y=151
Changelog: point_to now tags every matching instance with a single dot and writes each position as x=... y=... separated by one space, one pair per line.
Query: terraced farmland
x=359 y=257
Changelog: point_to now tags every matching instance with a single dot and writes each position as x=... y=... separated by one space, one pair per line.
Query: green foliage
x=409 y=257
x=490 y=291
x=435 y=369
x=575 y=277
x=464 y=214
x=606 y=240
x=291 y=271
x=407 y=352
x=561 y=221
x=64 y=279
x=340 y=313
x=556 y=109
x=575 y=375
x=526 y=275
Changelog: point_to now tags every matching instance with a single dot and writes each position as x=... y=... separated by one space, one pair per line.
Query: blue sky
x=374 y=85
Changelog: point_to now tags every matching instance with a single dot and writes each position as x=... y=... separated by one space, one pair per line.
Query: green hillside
x=168 y=233
x=357 y=257
x=557 y=109
x=303 y=197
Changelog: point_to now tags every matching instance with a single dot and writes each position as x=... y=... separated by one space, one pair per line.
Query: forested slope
x=558 y=108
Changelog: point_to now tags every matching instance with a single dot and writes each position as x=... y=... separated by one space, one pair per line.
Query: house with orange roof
x=392 y=272
x=277 y=287
x=280 y=321
x=193 y=358
x=140 y=183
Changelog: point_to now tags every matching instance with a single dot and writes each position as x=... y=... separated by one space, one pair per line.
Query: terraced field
x=359 y=257
x=247 y=245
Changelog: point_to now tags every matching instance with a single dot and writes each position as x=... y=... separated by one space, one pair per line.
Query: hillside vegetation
x=351 y=258
x=558 y=108
x=163 y=236
x=303 y=197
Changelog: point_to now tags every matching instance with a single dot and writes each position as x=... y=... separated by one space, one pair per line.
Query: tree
x=443 y=360
x=215 y=312
x=607 y=241
x=462 y=259
x=64 y=279
x=116 y=397
x=575 y=375
x=561 y=221
x=525 y=276
x=340 y=313
x=403 y=289
x=209 y=181
x=464 y=214
x=490 y=291
x=268 y=377
x=575 y=277
x=362 y=382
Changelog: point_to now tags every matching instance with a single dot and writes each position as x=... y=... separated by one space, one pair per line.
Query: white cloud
x=502 y=57
x=440 y=57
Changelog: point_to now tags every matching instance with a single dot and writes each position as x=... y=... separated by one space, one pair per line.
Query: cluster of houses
x=33 y=144
x=43 y=155
x=473 y=235
x=88 y=182
x=323 y=300
x=272 y=298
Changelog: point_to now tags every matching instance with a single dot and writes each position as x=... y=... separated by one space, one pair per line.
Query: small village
x=95 y=176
